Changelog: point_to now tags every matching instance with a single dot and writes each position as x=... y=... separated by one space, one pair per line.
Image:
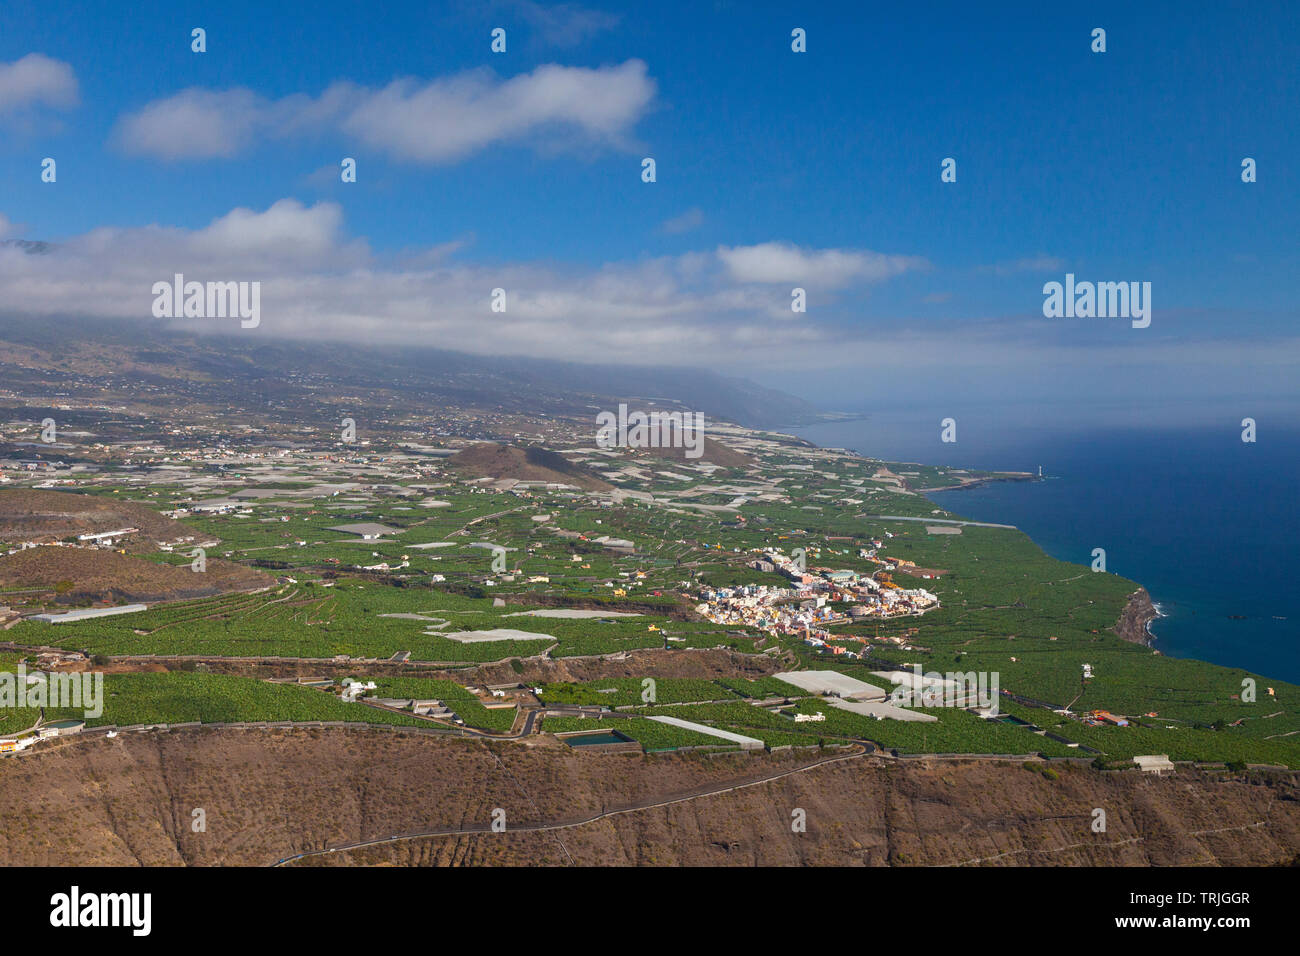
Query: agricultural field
x=357 y=619
x=176 y=697
x=470 y=557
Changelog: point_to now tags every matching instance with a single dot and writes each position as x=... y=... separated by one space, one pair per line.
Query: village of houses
x=806 y=607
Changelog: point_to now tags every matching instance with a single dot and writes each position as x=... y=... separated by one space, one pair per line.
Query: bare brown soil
x=268 y=795
x=491 y=460
x=82 y=575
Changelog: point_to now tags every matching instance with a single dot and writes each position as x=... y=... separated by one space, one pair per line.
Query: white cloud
x=287 y=229
x=563 y=24
x=36 y=80
x=319 y=283
x=196 y=124
x=691 y=219
x=826 y=268
x=433 y=121
x=686 y=310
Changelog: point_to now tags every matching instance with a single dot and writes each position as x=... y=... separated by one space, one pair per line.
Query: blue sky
x=774 y=169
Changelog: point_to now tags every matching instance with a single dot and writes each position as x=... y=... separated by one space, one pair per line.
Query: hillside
x=713 y=452
x=129 y=802
x=81 y=575
x=492 y=460
x=31 y=514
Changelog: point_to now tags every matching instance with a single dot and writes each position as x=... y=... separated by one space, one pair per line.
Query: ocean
x=1206 y=522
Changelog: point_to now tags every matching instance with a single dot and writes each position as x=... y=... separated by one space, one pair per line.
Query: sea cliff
x=1137 y=614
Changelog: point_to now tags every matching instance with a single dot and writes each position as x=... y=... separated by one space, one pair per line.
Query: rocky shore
x=1137 y=614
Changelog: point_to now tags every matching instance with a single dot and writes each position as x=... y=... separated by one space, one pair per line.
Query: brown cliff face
x=268 y=795
x=1137 y=614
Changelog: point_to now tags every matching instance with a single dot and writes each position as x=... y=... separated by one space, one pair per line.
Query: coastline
x=1134 y=624
x=1135 y=619
x=987 y=480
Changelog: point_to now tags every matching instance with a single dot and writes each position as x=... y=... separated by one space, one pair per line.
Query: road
x=650 y=804
x=470 y=524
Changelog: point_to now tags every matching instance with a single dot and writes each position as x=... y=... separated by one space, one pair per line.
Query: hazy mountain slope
x=239 y=369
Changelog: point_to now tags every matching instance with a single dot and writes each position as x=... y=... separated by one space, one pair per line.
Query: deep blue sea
x=1206 y=522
